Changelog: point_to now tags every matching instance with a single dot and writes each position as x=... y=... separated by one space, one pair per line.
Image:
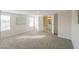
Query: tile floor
x=35 y=40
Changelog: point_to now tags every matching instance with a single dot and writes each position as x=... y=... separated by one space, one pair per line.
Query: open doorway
x=47 y=23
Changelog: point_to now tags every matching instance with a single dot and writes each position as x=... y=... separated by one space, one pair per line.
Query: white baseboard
x=67 y=36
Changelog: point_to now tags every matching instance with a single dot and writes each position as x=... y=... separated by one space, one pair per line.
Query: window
x=31 y=21
x=5 y=22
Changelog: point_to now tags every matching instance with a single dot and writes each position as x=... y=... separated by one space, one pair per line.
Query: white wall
x=64 y=24
x=41 y=23
x=0 y=25
x=15 y=29
x=52 y=24
x=75 y=29
x=38 y=23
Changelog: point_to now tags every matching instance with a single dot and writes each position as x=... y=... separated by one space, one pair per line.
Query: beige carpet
x=35 y=40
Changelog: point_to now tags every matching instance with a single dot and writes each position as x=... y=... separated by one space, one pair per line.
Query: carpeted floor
x=35 y=40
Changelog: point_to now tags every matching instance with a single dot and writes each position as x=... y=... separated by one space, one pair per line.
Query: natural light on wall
x=31 y=21
x=5 y=22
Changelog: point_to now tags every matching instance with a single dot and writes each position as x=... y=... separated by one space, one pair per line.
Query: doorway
x=47 y=23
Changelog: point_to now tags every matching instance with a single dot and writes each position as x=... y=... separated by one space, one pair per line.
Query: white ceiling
x=33 y=12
